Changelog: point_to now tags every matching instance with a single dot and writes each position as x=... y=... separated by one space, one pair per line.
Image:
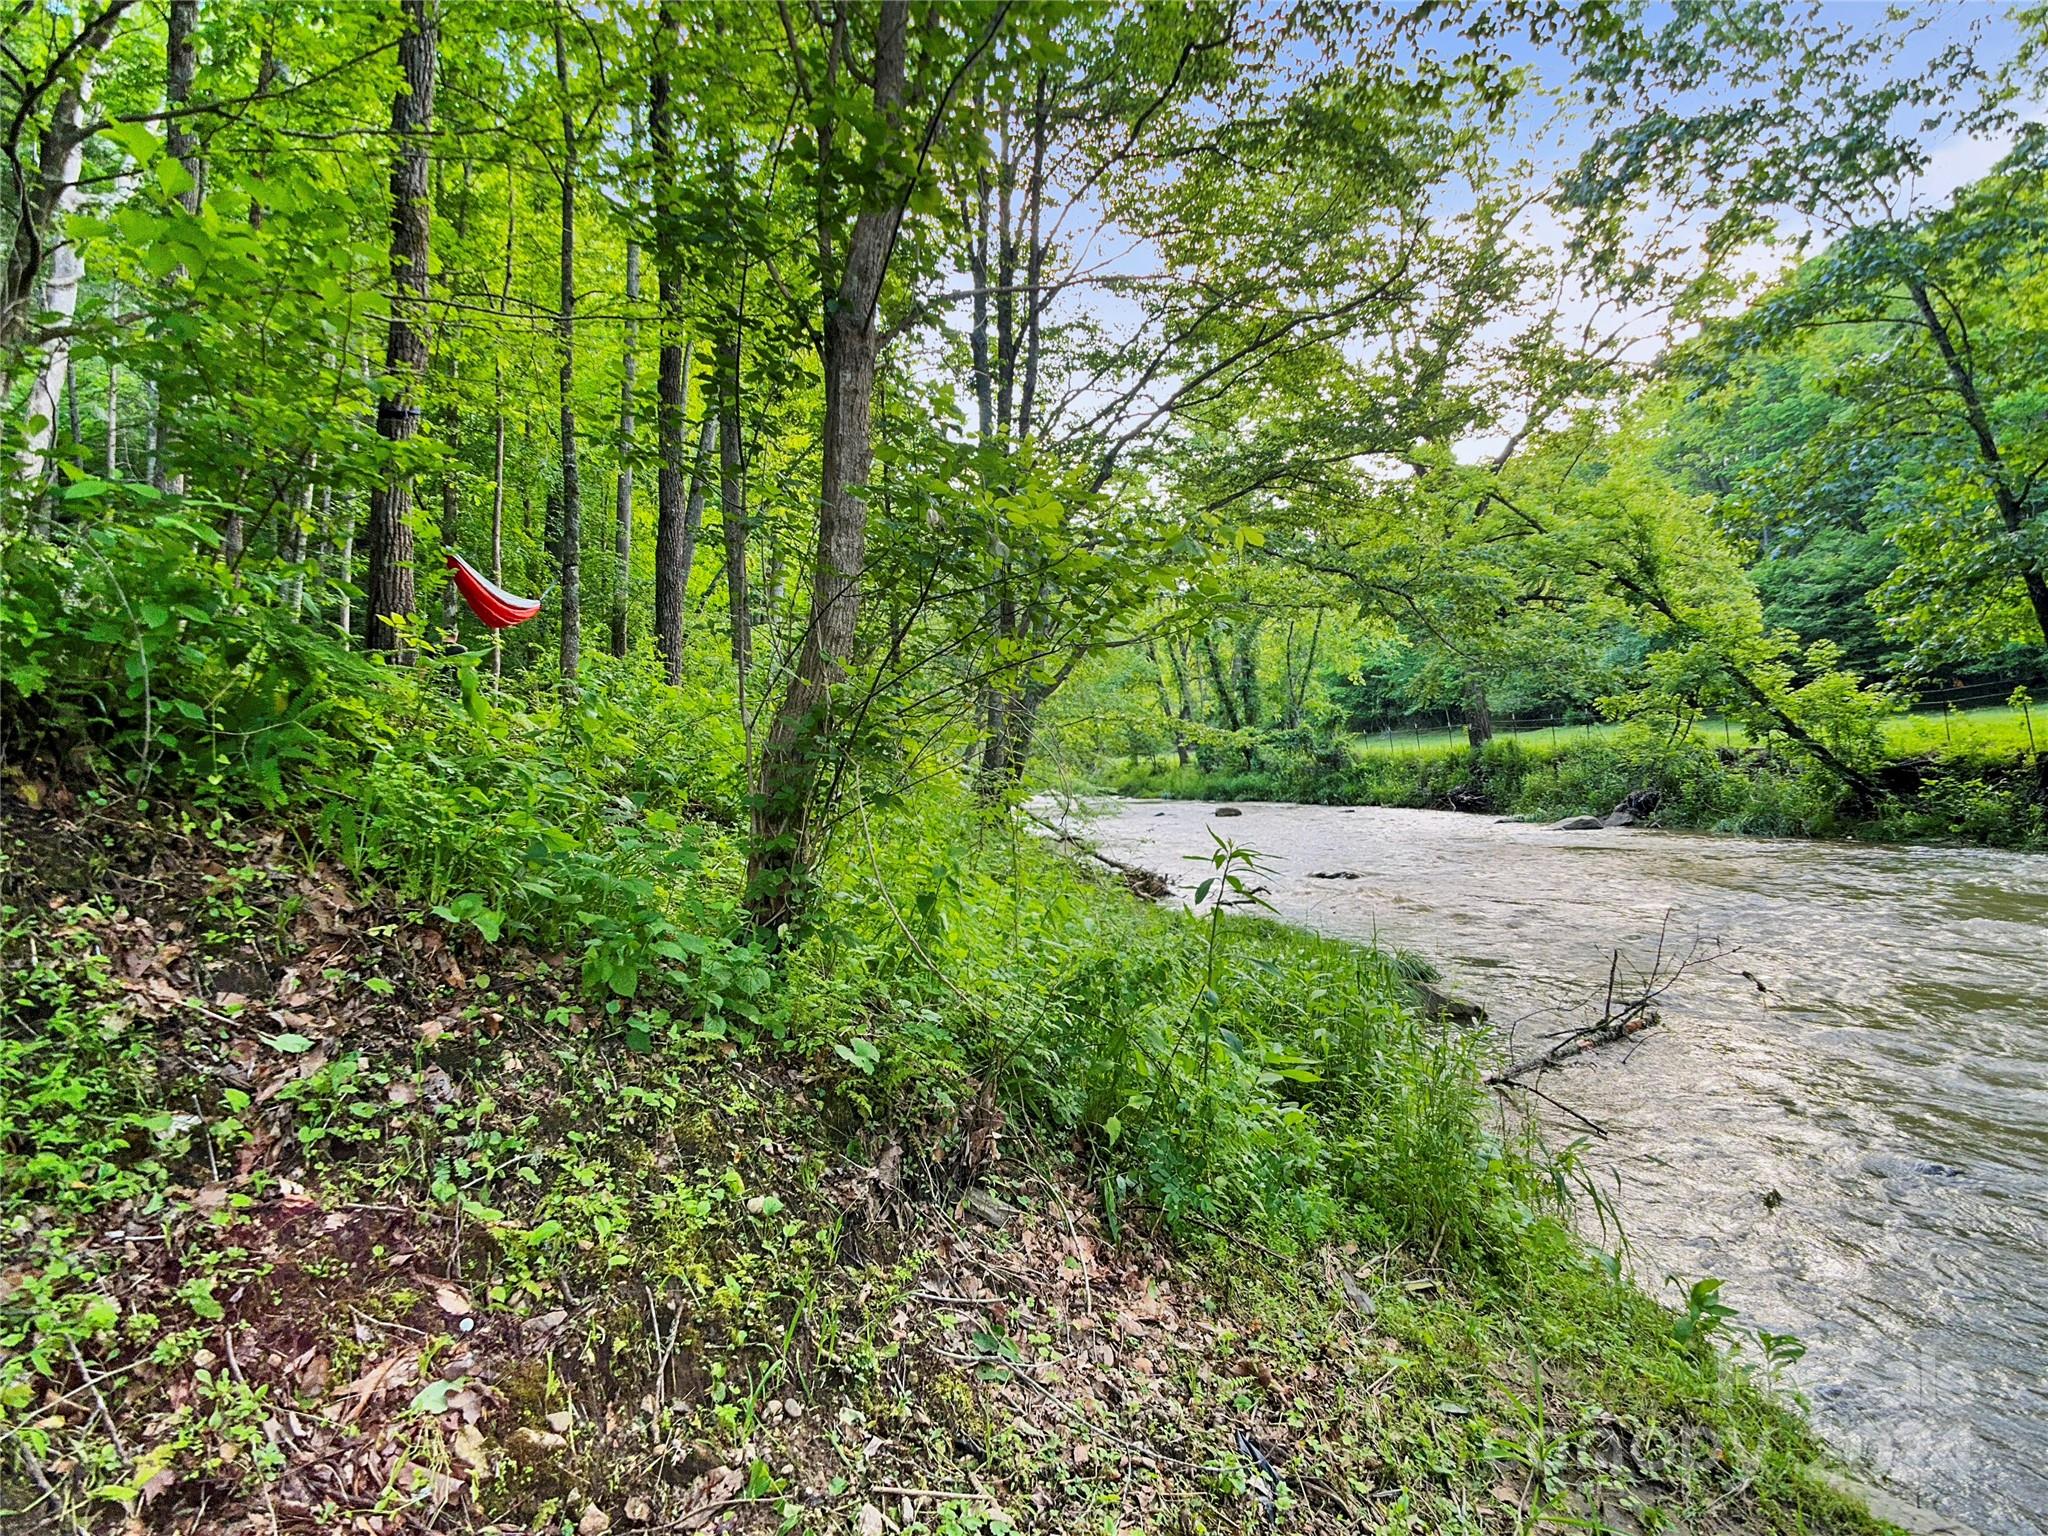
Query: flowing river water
x=1854 y=1136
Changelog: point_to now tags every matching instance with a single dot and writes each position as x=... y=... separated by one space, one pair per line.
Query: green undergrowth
x=345 y=1211
x=1966 y=791
x=400 y=1129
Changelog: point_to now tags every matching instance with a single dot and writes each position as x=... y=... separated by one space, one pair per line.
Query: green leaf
x=174 y=179
x=290 y=1044
x=433 y=1397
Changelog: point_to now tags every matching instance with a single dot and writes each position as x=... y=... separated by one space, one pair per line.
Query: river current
x=1853 y=1135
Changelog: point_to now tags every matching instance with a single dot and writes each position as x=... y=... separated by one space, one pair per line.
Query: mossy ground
x=321 y=1216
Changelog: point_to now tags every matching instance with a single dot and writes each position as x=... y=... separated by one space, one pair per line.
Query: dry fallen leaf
x=451 y=1301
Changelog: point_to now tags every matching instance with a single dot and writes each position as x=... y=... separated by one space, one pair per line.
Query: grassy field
x=1990 y=730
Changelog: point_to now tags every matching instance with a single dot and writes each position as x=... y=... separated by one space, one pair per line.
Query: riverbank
x=1967 y=793
x=1837 y=1118
x=323 y=1209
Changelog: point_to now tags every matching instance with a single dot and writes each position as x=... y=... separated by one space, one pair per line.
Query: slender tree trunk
x=345 y=617
x=675 y=530
x=572 y=489
x=1166 y=710
x=1006 y=280
x=622 y=575
x=62 y=275
x=390 y=584
x=803 y=733
x=1478 y=714
x=451 y=504
x=113 y=419
x=232 y=533
x=733 y=511
x=2012 y=510
x=451 y=424
x=181 y=59
x=1244 y=662
x=789 y=766
x=1224 y=697
x=1034 y=256
x=984 y=378
x=675 y=536
x=498 y=429
x=292 y=544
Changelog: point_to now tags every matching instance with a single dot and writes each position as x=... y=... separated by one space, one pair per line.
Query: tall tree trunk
x=323 y=553
x=733 y=510
x=389 y=584
x=984 y=377
x=65 y=144
x=1166 y=710
x=181 y=61
x=1034 y=256
x=572 y=489
x=345 y=614
x=291 y=544
x=1244 y=663
x=1006 y=278
x=232 y=533
x=680 y=499
x=113 y=418
x=675 y=541
x=1232 y=720
x=2013 y=512
x=622 y=574
x=451 y=503
x=35 y=205
x=451 y=424
x=778 y=865
x=498 y=428
x=1478 y=713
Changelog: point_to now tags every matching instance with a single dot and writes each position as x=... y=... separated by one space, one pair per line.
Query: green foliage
x=1968 y=782
x=128 y=632
x=1227 y=1071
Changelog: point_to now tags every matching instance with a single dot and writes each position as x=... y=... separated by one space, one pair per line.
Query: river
x=1854 y=1136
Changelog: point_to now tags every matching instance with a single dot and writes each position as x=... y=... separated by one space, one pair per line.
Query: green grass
x=1987 y=730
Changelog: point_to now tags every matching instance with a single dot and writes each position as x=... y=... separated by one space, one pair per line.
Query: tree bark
x=181 y=60
x=389 y=582
x=733 y=511
x=498 y=427
x=778 y=864
x=571 y=551
x=113 y=418
x=1478 y=714
x=232 y=533
x=977 y=260
x=1224 y=697
x=65 y=143
x=675 y=543
x=629 y=375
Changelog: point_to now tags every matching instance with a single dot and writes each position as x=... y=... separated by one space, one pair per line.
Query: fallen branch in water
x=1620 y=1018
x=1632 y=1020
x=1148 y=883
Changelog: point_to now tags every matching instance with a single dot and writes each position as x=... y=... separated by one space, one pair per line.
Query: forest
x=640 y=1066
